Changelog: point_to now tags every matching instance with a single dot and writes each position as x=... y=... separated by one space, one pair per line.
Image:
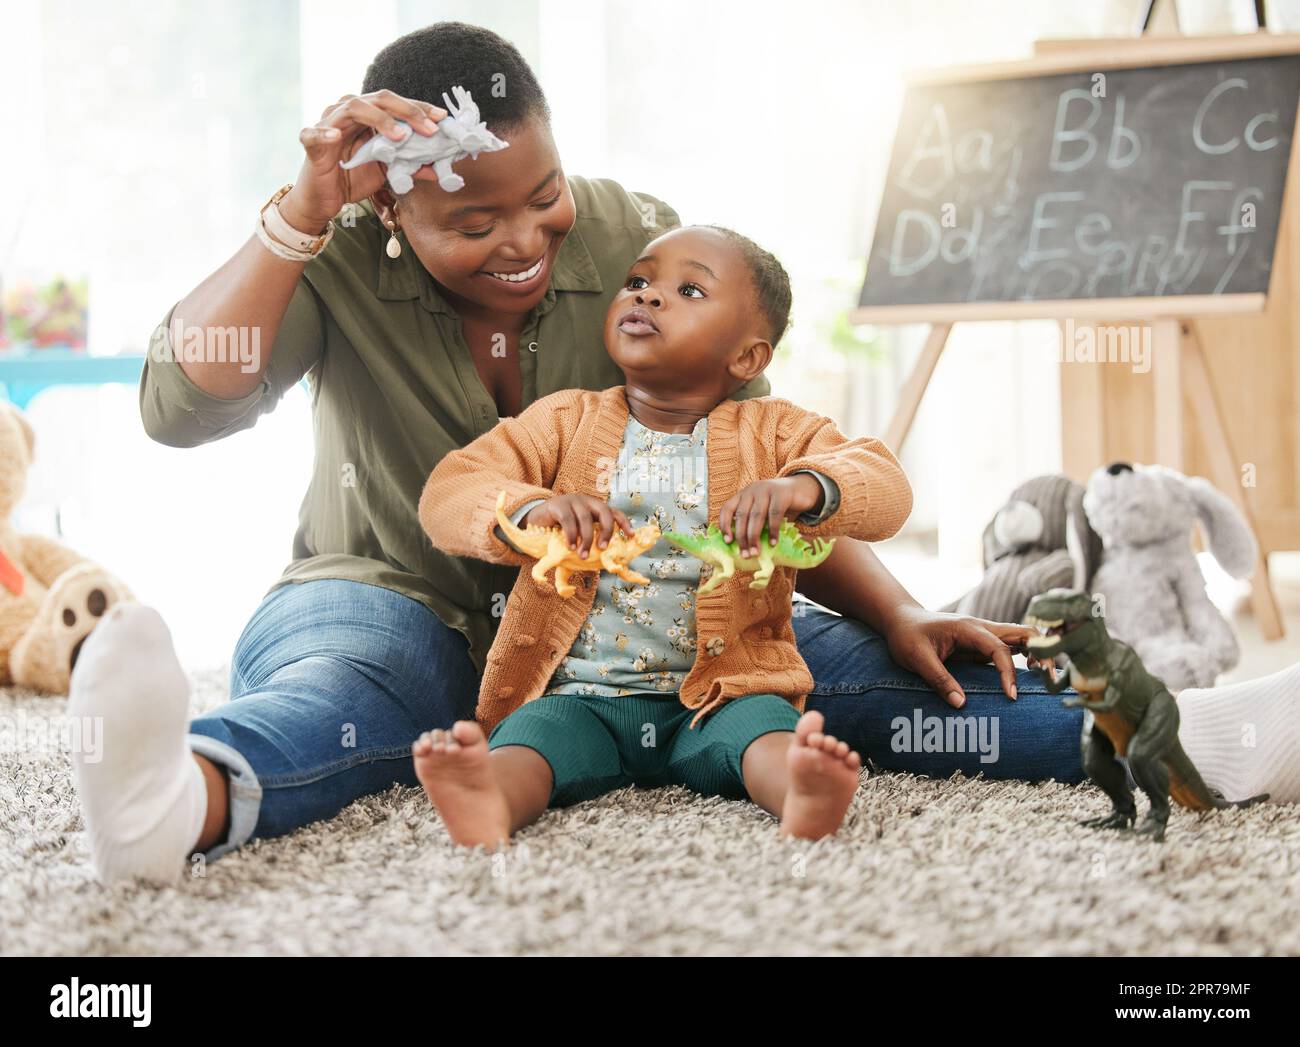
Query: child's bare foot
x=453 y=768
x=823 y=777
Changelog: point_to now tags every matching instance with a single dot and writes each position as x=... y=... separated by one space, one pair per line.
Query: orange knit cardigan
x=561 y=444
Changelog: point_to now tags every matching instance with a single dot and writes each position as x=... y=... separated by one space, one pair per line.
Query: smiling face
x=492 y=244
x=686 y=323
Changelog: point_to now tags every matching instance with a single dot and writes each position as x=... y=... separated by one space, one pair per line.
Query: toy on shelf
x=37 y=317
x=1127 y=711
x=551 y=549
x=51 y=598
x=460 y=134
x=790 y=551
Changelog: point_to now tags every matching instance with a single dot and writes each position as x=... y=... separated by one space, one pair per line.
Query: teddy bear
x=51 y=598
x=1039 y=540
x=1152 y=587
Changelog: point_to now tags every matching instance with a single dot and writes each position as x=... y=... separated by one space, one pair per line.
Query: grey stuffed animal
x=1154 y=592
x=1039 y=540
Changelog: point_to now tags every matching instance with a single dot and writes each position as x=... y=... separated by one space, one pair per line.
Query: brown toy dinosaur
x=548 y=544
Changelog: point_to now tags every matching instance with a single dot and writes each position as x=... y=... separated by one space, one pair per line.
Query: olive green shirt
x=394 y=388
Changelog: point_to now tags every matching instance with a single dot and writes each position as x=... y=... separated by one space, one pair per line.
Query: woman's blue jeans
x=333 y=680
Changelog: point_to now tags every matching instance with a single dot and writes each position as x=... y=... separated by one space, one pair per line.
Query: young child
x=655 y=684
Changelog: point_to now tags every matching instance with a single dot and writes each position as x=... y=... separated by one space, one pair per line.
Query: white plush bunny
x=1154 y=591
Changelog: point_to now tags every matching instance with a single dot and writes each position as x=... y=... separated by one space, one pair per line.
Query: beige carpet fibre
x=920 y=867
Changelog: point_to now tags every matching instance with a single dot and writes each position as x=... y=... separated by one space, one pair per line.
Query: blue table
x=25 y=373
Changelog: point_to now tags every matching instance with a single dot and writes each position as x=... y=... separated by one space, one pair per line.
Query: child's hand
x=577 y=515
x=766 y=502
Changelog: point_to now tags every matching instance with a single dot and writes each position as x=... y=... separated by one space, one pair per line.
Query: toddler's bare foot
x=823 y=777
x=453 y=767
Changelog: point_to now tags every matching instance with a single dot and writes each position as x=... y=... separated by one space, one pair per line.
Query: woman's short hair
x=425 y=63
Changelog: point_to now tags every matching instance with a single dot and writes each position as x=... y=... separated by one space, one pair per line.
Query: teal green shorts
x=596 y=743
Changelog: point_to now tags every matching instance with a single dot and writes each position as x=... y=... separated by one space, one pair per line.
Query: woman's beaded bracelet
x=282 y=239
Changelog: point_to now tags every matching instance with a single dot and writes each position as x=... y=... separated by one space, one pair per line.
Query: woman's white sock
x=144 y=798
x=1244 y=737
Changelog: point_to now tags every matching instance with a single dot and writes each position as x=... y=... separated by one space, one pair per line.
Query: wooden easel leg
x=1083 y=411
x=1226 y=472
x=1167 y=381
x=909 y=398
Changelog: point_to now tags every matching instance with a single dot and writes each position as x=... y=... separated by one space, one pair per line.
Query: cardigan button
x=715 y=646
x=758 y=603
x=505 y=692
x=524 y=640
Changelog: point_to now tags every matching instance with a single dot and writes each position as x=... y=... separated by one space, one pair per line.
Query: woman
x=422 y=322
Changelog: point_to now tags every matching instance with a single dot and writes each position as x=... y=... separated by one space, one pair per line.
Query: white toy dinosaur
x=460 y=134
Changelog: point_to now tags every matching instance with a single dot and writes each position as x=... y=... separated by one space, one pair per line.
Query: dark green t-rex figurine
x=1127 y=711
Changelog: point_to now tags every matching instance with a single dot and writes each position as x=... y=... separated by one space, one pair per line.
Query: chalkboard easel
x=1149 y=73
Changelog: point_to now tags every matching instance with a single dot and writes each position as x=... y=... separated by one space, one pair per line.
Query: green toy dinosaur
x=790 y=551
x=1128 y=711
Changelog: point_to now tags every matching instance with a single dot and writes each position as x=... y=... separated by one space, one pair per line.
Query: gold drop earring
x=394 y=248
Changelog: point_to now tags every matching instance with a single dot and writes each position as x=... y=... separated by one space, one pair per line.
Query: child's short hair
x=771 y=282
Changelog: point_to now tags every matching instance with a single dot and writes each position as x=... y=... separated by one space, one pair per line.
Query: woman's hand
x=767 y=502
x=921 y=640
x=323 y=187
x=577 y=515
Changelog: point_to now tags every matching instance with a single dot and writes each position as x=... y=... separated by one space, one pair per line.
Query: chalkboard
x=1127 y=183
